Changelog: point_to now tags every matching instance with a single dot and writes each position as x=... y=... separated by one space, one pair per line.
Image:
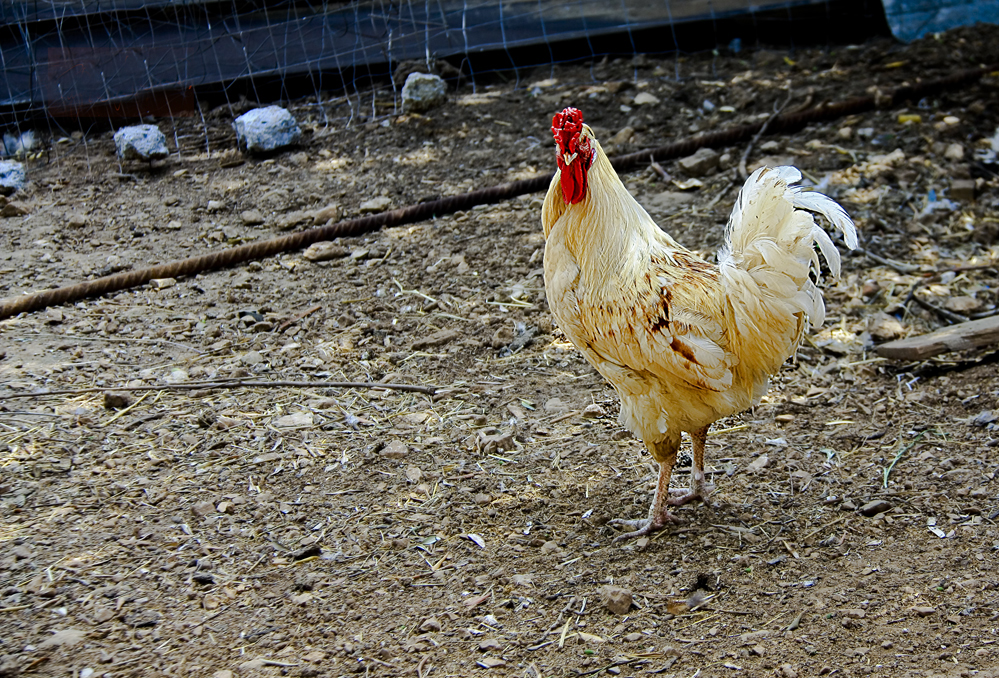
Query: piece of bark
x=971 y=334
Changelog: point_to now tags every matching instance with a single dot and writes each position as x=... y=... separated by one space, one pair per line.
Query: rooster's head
x=574 y=153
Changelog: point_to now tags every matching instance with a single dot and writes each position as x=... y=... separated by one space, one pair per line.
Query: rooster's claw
x=643 y=527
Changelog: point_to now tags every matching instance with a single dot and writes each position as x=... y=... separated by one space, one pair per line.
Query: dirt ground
x=315 y=531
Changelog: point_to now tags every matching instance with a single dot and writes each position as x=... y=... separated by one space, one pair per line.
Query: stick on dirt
x=960 y=337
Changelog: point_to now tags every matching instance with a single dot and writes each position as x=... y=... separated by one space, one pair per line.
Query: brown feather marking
x=683 y=350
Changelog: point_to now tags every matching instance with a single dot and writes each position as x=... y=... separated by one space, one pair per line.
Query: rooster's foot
x=700 y=492
x=642 y=528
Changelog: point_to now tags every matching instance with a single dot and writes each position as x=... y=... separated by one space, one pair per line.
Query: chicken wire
x=127 y=58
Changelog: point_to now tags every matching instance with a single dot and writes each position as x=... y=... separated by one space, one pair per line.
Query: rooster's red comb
x=566 y=127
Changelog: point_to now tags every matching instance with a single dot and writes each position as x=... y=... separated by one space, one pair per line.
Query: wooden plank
x=960 y=337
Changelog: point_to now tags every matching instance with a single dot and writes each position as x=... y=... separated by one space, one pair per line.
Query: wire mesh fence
x=70 y=64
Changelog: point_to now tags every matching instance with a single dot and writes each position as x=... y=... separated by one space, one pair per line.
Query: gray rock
x=617 y=599
x=141 y=142
x=701 y=163
x=264 y=130
x=872 y=508
x=11 y=177
x=423 y=92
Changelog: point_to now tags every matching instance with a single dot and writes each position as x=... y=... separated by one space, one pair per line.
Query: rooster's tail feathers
x=772 y=237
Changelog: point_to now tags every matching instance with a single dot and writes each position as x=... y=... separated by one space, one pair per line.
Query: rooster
x=684 y=342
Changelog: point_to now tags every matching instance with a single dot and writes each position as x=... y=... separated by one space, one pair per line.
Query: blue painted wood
x=912 y=19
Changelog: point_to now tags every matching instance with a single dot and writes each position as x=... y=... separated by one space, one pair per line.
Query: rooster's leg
x=698 y=488
x=659 y=516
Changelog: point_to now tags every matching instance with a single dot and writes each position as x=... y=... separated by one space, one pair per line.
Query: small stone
x=645 y=99
x=844 y=132
x=847 y=506
x=422 y=92
x=265 y=130
x=771 y=146
x=482 y=499
x=141 y=142
x=223 y=673
x=491 y=662
x=594 y=411
x=954 y=152
x=962 y=190
x=550 y=547
x=115 y=400
x=324 y=251
x=78 y=220
x=203 y=508
x=963 y=304
x=490 y=644
x=430 y=625
x=872 y=508
x=162 y=283
x=436 y=339
x=884 y=327
x=252 y=217
x=634 y=637
x=13 y=209
x=853 y=613
x=379 y=204
x=617 y=599
x=214 y=205
x=923 y=611
x=252 y=358
x=328 y=213
x=501 y=337
x=701 y=163
x=12 y=177
x=295 y=420
x=293 y=219
x=396 y=449
x=788 y=671
x=623 y=136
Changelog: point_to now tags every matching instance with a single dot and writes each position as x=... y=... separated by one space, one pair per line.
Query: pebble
x=954 y=152
x=430 y=625
x=594 y=411
x=324 y=251
x=264 y=130
x=701 y=163
x=115 y=400
x=617 y=599
x=141 y=142
x=252 y=358
x=203 y=508
x=963 y=190
x=923 y=611
x=13 y=209
x=77 y=220
x=872 y=508
x=252 y=217
x=422 y=92
x=490 y=644
x=396 y=449
x=294 y=420
x=326 y=214
x=436 y=339
x=379 y=204
x=162 y=283
x=847 y=506
x=491 y=662
x=634 y=637
x=853 y=613
x=645 y=99
x=214 y=205
x=788 y=671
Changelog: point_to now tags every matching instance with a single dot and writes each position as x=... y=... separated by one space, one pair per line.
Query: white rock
x=141 y=142
x=422 y=92
x=296 y=420
x=645 y=99
x=264 y=130
x=379 y=204
x=11 y=177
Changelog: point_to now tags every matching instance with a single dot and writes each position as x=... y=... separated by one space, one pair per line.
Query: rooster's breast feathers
x=660 y=324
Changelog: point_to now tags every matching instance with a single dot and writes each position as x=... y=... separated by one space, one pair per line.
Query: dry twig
x=430 y=390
